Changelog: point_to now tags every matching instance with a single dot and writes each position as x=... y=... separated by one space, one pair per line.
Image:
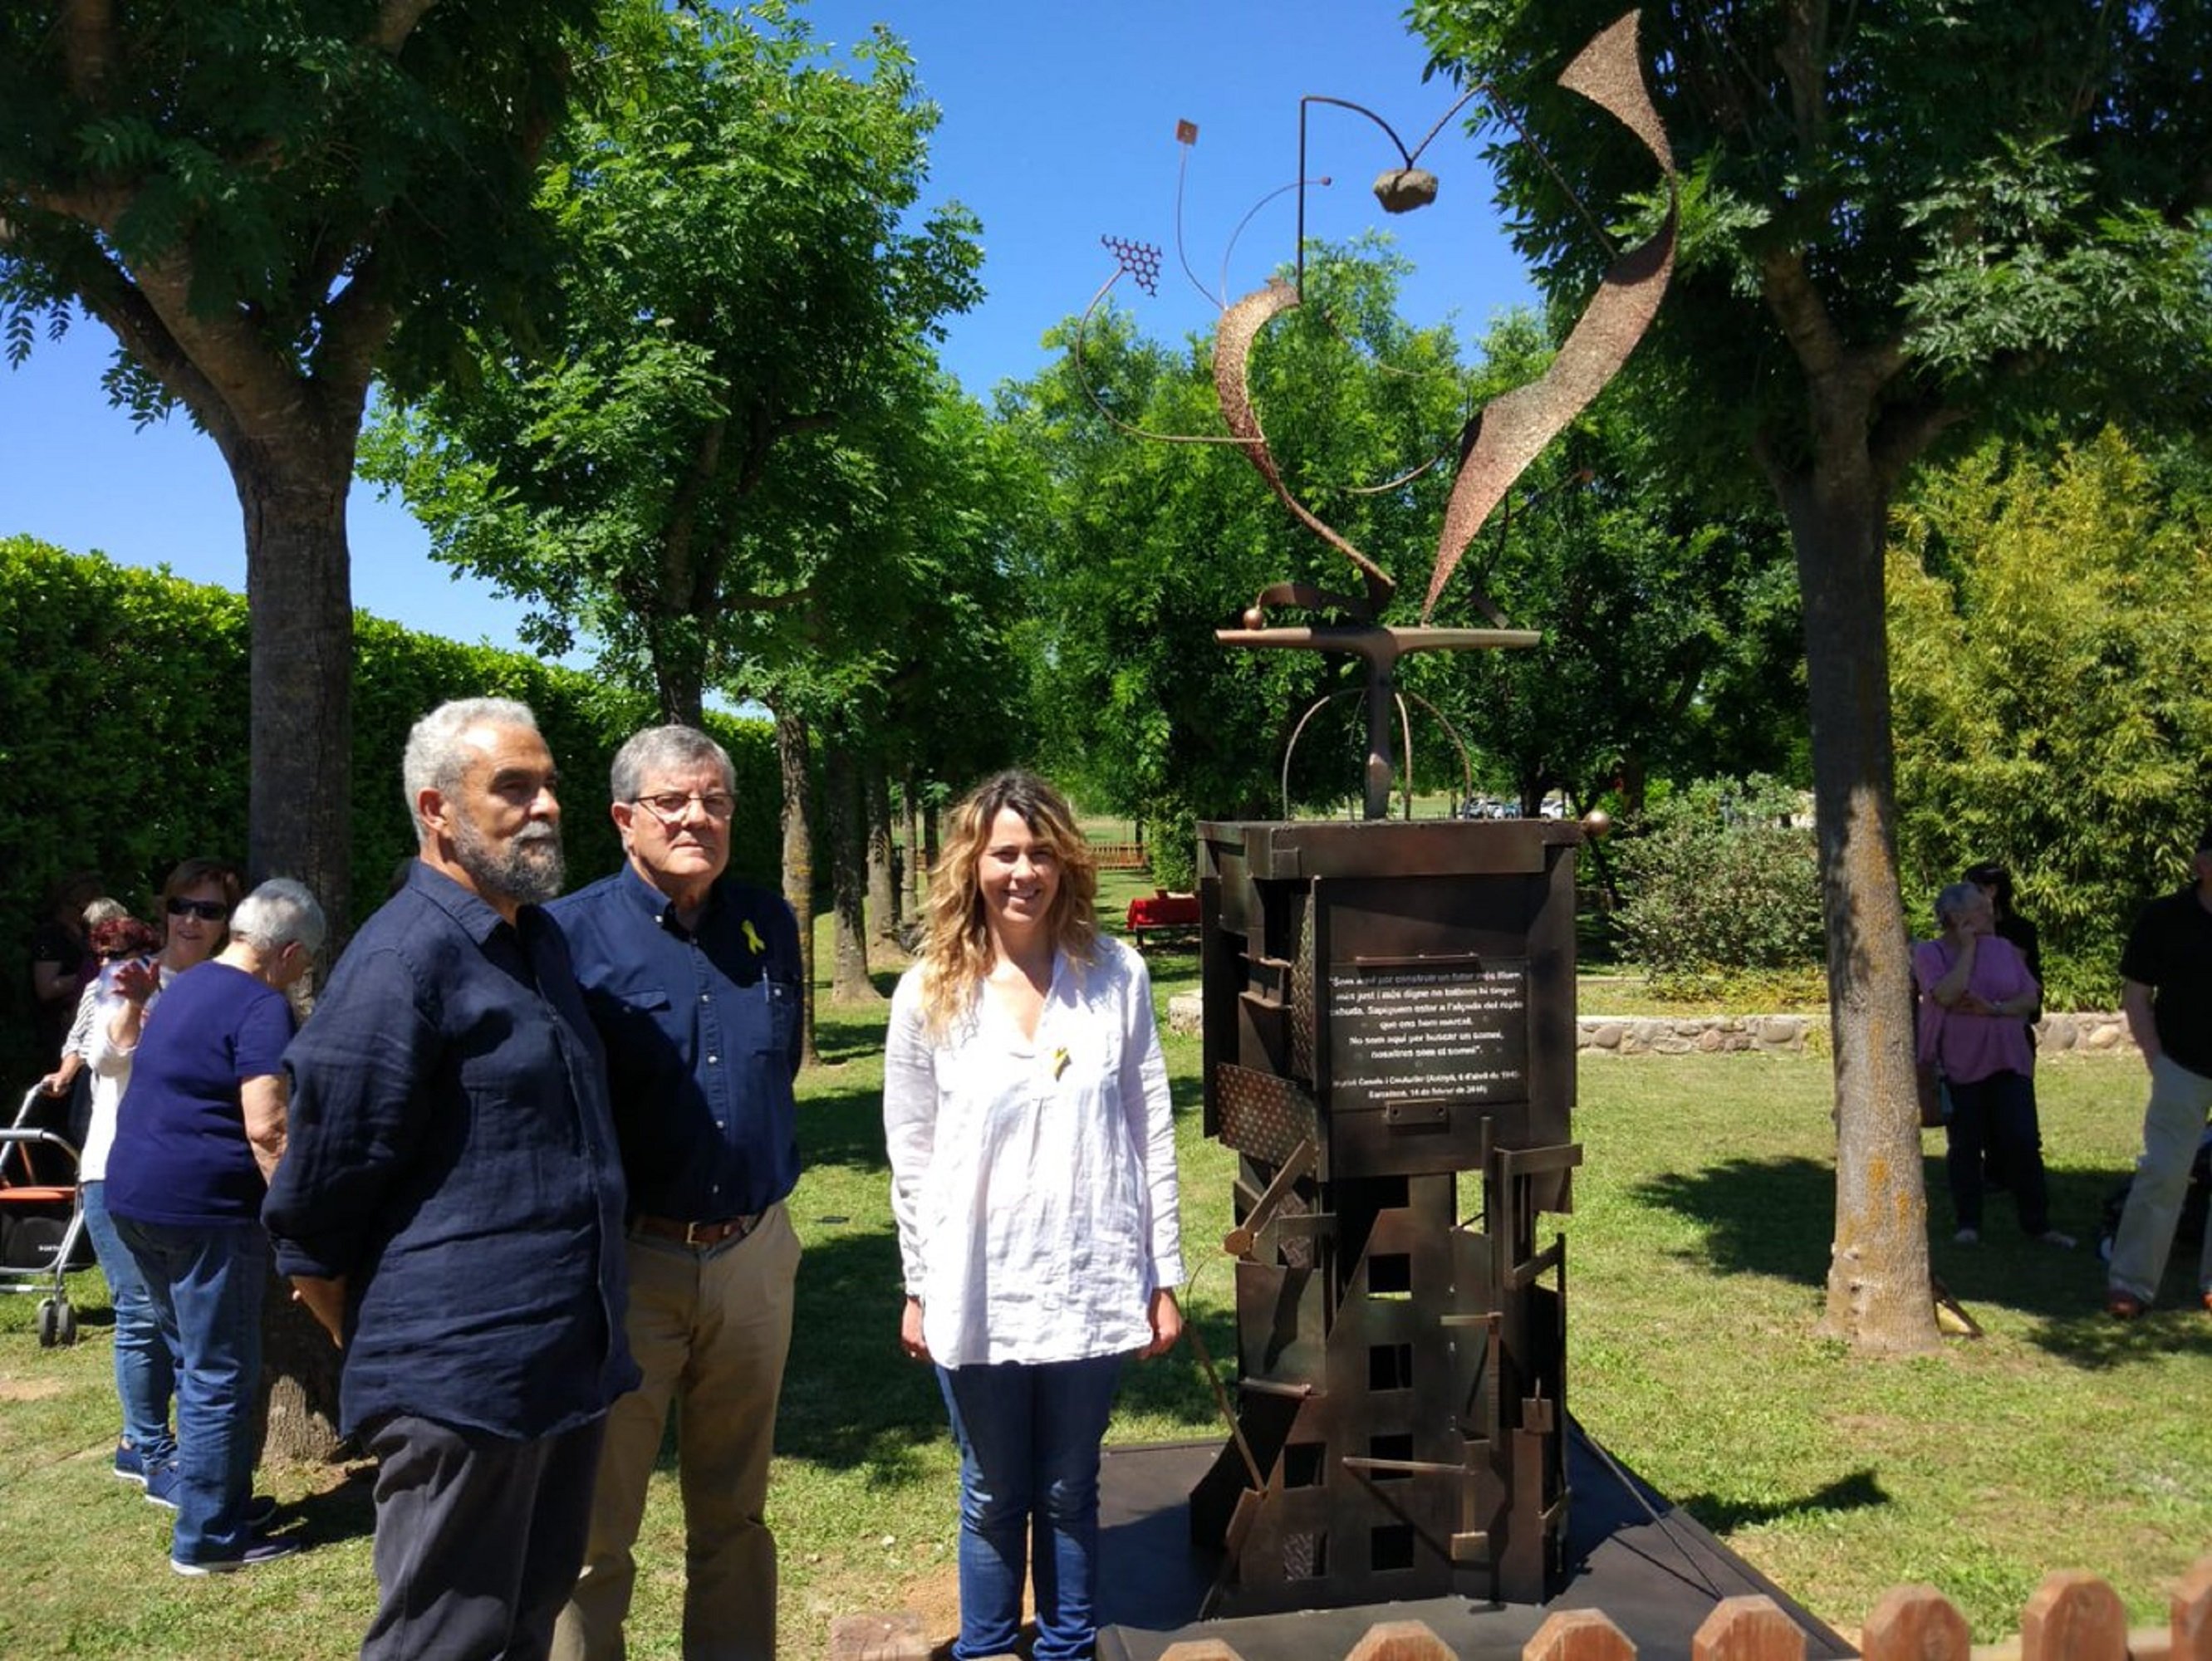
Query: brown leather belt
x=697 y=1234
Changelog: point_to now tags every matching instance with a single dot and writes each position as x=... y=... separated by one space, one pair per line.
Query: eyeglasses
x=669 y=806
x=207 y=910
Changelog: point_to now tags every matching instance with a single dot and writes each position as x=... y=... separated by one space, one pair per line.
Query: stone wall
x=1682 y=1035
x=2082 y=1033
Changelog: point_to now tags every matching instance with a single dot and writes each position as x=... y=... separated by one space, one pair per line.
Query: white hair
x=664 y=747
x=1955 y=902
x=279 y=913
x=434 y=758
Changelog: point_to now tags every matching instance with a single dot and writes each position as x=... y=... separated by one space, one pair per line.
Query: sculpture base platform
x=1653 y=1570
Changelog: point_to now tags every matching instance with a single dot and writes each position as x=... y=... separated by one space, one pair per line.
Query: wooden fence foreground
x=2072 y=1616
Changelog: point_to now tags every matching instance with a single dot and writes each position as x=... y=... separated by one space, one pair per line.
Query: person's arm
x=57 y=1082
x=795 y=965
x=2143 y=1020
x=909 y=1140
x=325 y=1298
x=1151 y=1108
x=2022 y=1000
x=1950 y=990
x=122 y=1017
x=359 y=1107
x=262 y=1099
x=1166 y=1317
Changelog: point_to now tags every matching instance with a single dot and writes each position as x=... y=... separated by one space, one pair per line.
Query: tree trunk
x=1879 y=1295
x=849 y=876
x=300 y=611
x=791 y=756
x=917 y=860
x=883 y=884
x=292 y=492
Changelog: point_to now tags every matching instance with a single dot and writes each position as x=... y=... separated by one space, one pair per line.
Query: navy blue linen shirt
x=451 y=1154
x=702 y=1039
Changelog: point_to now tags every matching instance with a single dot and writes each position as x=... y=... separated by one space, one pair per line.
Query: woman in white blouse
x=1033 y=1177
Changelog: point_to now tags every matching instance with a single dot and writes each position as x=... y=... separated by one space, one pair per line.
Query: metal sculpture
x=1388 y=1013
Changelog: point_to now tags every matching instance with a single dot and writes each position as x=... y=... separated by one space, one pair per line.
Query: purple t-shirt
x=181 y=1155
x=1973 y=1047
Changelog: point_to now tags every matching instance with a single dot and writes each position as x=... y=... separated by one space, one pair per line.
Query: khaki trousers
x=710 y=1329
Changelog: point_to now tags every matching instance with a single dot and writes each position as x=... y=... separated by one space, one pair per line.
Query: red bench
x=1162 y=912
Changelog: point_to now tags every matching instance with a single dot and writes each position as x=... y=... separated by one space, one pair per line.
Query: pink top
x=1973 y=1047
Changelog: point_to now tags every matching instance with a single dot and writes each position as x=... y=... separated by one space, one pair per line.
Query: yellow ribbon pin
x=752 y=937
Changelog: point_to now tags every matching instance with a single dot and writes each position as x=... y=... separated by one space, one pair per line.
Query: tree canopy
x=2052 y=625
x=745 y=309
x=1897 y=223
x=251 y=194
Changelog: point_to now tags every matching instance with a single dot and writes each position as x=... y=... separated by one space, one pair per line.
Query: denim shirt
x=452 y=1155
x=702 y=1039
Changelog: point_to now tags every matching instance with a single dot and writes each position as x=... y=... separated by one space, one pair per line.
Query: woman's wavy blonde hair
x=956 y=952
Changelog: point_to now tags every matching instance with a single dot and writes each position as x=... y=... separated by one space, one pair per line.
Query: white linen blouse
x=1033 y=1179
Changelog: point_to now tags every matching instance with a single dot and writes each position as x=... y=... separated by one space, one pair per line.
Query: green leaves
x=2050 y=626
x=736 y=404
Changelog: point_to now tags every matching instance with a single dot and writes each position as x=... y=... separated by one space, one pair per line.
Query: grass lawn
x=1698 y=1250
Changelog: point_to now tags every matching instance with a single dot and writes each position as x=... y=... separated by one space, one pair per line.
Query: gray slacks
x=478 y=1539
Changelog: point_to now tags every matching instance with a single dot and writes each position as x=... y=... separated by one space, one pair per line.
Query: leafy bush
x=1719 y=881
x=2051 y=656
x=123 y=743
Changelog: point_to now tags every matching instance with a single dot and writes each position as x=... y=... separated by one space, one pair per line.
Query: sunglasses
x=207 y=910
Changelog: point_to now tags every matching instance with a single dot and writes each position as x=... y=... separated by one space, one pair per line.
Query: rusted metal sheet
x=1401 y=1319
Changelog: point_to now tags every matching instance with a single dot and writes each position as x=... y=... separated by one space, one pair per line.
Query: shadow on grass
x=845 y=1032
x=1775 y=1216
x=844 y=1127
x=345 y=1511
x=851 y=1400
x=1860 y=1491
x=1761 y=1216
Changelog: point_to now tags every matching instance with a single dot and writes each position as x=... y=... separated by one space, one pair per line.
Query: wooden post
x=1579 y=1635
x=2073 y=1617
x=1749 y=1628
x=1400 y=1640
x=2192 y=1607
x=1916 y=1623
x=1200 y=1649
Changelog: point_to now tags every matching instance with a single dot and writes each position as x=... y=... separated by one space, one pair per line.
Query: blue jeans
x=145 y=1353
x=1029 y=1438
x=209 y=1281
x=1997 y=1113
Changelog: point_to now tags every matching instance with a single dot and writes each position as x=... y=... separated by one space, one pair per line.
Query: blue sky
x=1058 y=126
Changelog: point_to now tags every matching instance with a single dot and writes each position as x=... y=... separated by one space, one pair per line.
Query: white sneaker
x=2052 y=1237
x=1968 y=1237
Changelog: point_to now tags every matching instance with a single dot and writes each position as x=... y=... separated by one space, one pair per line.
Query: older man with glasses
x=693 y=980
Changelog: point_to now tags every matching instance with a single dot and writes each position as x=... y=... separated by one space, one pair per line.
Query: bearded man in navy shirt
x=450 y=1205
x=693 y=980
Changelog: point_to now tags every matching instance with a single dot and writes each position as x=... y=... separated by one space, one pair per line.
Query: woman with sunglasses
x=196 y=904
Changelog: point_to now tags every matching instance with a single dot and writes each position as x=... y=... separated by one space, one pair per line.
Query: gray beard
x=530 y=872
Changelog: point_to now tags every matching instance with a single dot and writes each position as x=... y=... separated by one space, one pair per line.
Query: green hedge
x=123 y=743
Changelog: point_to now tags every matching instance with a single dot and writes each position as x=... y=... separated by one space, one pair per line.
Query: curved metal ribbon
x=1517 y=425
x=1232 y=346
